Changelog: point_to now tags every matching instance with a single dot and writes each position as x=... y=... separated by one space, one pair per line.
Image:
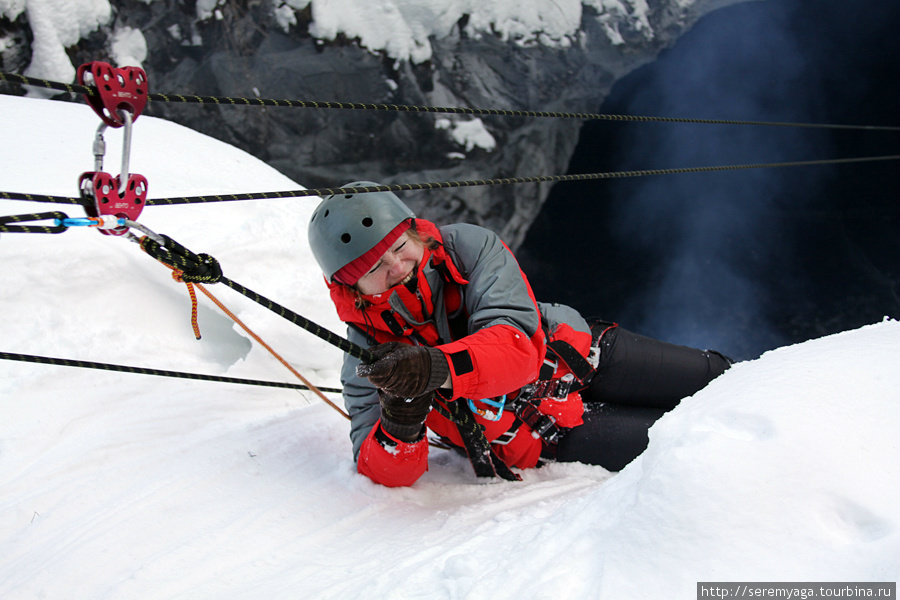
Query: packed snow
x=116 y=485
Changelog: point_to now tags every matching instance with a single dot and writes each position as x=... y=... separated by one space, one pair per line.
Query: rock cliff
x=300 y=50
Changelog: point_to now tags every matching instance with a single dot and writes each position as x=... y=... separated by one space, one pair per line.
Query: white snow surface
x=116 y=485
x=57 y=25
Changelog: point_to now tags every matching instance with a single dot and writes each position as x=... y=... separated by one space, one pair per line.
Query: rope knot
x=187 y=268
x=207 y=270
x=195 y=268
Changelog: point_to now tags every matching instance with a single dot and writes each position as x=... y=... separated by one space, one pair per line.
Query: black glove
x=406 y=371
x=403 y=418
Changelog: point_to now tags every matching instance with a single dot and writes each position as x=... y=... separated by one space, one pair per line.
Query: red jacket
x=474 y=304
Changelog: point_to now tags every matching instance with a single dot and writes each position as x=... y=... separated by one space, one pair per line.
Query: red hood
x=345 y=297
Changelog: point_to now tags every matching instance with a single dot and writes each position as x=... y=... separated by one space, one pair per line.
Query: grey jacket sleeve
x=360 y=396
x=497 y=292
x=556 y=314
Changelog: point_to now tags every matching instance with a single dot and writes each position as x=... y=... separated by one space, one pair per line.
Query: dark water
x=741 y=261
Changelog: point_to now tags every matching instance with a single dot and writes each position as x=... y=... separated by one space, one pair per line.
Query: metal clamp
x=102 y=194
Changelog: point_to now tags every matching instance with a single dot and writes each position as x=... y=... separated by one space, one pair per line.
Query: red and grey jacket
x=473 y=303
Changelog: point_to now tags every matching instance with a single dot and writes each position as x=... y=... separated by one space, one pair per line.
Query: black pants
x=638 y=379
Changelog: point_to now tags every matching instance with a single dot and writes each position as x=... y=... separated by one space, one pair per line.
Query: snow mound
x=122 y=486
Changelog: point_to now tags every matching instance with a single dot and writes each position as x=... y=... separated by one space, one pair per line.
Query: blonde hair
x=430 y=243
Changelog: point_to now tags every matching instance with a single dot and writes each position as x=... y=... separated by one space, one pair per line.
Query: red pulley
x=118 y=89
x=100 y=195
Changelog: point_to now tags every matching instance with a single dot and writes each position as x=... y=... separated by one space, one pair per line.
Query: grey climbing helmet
x=345 y=226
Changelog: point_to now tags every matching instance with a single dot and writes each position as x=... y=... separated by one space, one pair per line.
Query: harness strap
x=457 y=317
x=484 y=460
x=578 y=364
x=541 y=424
x=526 y=410
x=391 y=321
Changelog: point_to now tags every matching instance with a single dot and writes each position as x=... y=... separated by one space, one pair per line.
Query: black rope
x=39 y=198
x=202 y=268
x=44 y=83
x=238 y=101
x=343 y=344
x=5 y=226
x=64 y=362
x=406 y=187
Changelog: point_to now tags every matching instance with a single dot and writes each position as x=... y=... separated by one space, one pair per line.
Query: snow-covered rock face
x=507 y=54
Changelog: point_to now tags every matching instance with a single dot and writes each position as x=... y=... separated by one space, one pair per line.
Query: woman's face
x=395 y=266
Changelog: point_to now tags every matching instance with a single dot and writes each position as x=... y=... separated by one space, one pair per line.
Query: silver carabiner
x=100 y=148
x=146 y=231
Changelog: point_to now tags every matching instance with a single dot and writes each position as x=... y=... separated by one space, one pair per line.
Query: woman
x=464 y=350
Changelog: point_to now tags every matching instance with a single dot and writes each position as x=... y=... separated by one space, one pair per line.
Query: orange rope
x=235 y=318
x=178 y=275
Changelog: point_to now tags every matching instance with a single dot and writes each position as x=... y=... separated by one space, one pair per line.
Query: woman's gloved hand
x=404 y=418
x=406 y=371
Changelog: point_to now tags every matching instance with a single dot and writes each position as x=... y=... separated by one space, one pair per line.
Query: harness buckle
x=506 y=437
x=549 y=388
x=543 y=426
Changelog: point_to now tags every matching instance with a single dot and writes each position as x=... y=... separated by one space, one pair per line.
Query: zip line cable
x=237 y=101
x=406 y=187
x=65 y=362
x=80 y=89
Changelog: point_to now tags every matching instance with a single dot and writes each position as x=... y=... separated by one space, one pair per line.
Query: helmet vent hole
x=326 y=214
x=345 y=238
x=367 y=222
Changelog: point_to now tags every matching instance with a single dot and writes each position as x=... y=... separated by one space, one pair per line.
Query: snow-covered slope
x=130 y=486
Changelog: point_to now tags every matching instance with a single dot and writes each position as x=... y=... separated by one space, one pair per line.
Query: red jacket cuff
x=391 y=462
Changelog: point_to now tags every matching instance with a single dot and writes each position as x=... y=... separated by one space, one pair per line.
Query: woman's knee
x=638 y=370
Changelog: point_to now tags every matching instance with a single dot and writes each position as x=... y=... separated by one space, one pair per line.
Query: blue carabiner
x=91 y=222
x=489 y=415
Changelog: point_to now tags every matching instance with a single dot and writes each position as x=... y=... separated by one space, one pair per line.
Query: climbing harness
x=525 y=405
x=484 y=459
